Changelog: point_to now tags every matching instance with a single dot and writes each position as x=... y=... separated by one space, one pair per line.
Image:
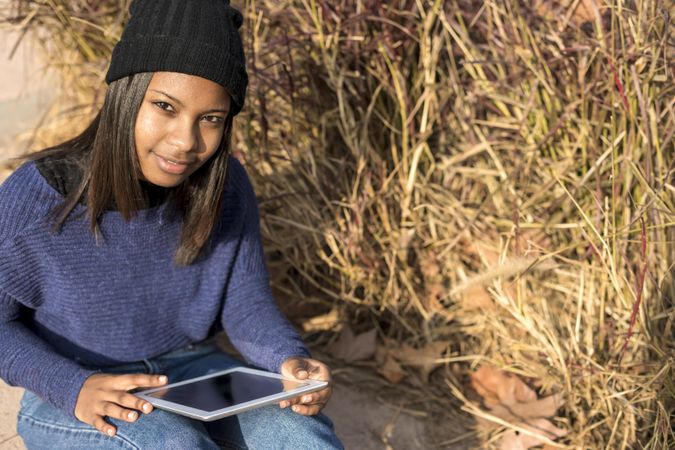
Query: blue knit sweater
x=67 y=301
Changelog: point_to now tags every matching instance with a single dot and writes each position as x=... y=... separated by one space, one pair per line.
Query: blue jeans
x=43 y=426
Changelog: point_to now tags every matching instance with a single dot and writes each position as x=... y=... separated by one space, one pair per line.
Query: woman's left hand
x=301 y=369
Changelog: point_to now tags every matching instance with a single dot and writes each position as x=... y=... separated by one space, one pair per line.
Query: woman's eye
x=214 y=119
x=162 y=105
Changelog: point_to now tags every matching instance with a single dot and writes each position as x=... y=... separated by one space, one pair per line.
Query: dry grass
x=494 y=174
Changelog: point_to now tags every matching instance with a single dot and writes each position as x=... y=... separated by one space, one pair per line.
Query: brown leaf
x=477 y=297
x=506 y=387
x=382 y=350
x=524 y=412
x=392 y=371
x=510 y=399
x=387 y=365
x=544 y=407
x=585 y=12
x=423 y=359
x=350 y=347
x=515 y=440
x=544 y=8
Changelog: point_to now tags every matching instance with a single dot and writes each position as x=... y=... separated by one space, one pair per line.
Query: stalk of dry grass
x=498 y=175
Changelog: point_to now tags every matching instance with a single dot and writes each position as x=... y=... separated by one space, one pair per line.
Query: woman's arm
x=25 y=359
x=29 y=362
x=250 y=315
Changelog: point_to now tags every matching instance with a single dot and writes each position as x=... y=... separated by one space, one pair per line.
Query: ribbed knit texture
x=66 y=301
x=196 y=37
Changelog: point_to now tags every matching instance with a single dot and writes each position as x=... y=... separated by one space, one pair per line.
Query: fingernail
x=132 y=415
x=306 y=398
x=111 y=431
x=302 y=373
x=146 y=407
x=162 y=379
x=296 y=408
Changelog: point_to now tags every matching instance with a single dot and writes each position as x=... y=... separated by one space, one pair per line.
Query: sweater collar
x=65 y=173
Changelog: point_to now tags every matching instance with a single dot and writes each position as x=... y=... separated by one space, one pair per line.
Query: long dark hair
x=106 y=154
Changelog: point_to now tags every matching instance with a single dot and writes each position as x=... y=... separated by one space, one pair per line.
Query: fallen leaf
x=508 y=398
x=392 y=371
x=424 y=359
x=392 y=356
x=350 y=347
x=543 y=407
x=387 y=365
x=516 y=440
x=477 y=297
x=506 y=387
x=585 y=12
x=382 y=351
x=526 y=411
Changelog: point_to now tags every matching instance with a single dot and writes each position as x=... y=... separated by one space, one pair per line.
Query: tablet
x=232 y=391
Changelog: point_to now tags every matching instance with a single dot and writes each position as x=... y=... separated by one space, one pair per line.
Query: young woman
x=125 y=250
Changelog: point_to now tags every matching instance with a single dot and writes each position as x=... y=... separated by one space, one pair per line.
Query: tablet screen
x=212 y=394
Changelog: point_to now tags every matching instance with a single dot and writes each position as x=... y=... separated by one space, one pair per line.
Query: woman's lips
x=170 y=166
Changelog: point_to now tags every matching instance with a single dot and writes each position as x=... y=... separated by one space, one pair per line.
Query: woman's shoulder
x=23 y=181
x=25 y=197
x=238 y=179
x=239 y=184
x=239 y=198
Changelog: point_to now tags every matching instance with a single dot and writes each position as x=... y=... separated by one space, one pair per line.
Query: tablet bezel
x=208 y=416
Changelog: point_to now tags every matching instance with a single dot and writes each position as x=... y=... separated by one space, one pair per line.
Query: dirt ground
x=9 y=399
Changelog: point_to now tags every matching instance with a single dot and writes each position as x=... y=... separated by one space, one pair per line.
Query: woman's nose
x=184 y=135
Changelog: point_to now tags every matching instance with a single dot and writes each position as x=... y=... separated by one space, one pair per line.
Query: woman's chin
x=162 y=180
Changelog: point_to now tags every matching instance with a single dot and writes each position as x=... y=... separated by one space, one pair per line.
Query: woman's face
x=179 y=126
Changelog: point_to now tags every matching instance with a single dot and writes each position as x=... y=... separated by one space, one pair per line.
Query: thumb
x=297 y=367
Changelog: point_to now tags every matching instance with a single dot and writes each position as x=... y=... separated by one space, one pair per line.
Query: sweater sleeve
x=26 y=360
x=29 y=362
x=250 y=315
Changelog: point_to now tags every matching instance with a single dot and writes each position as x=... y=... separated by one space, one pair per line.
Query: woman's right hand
x=106 y=395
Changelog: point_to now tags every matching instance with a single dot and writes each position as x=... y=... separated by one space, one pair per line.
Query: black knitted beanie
x=196 y=37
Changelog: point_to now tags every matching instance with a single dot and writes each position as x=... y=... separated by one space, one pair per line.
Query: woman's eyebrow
x=167 y=95
x=225 y=111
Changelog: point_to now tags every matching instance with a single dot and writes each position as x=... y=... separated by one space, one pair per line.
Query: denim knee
x=42 y=426
x=271 y=427
x=165 y=430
